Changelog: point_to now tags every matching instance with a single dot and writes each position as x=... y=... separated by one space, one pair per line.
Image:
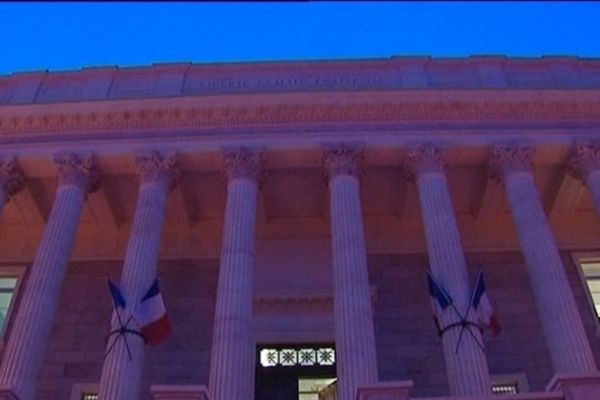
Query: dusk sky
x=62 y=36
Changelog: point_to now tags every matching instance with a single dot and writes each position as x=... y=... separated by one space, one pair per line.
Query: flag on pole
x=152 y=317
x=440 y=300
x=483 y=307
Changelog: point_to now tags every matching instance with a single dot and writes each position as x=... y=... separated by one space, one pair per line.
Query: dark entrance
x=282 y=369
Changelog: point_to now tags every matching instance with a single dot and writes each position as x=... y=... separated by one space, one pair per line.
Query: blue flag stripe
x=438 y=293
x=479 y=290
x=153 y=291
x=116 y=295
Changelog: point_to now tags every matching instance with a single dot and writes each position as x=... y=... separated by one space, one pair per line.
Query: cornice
x=42 y=123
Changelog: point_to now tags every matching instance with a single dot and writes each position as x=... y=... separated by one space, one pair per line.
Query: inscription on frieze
x=198 y=83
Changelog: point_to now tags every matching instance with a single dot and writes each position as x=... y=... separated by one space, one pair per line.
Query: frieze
x=294 y=114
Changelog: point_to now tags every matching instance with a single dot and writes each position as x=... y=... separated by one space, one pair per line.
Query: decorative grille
x=505 y=388
x=297 y=357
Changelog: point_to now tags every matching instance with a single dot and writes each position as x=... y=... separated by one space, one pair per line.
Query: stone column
x=565 y=336
x=121 y=377
x=467 y=369
x=11 y=181
x=232 y=354
x=26 y=345
x=585 y=165
x=354 y=334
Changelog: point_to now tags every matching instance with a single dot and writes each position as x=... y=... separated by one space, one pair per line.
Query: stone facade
x=301 y=203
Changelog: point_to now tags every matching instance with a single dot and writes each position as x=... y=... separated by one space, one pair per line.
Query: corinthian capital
x=584 y=159
x=11 y=177
x=157 y=166
x=424 y=159
x=77 y=169
x=343 y=159
x=507 y=160
x=243 y=163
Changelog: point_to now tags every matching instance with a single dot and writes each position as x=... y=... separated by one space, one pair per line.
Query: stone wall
x=409 y=348
x=407 y=344
x=77 y=342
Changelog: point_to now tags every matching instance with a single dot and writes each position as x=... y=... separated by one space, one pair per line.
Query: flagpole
x=460 y=316
x=467 y=312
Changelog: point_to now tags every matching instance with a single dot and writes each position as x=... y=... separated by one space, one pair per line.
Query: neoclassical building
x=291 y=211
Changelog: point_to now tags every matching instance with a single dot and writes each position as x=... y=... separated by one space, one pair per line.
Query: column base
x=393 y=390
x=178 y=392
x=7 y=394
x=576 y=386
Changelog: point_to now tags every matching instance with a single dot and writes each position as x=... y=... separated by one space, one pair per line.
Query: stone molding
x=585 y=159
x=342 y=159
x=179 y=392
x=79 y=170
x=507 y=160
x=390 y=390
x=11 y=177
x=424 y=159
x=395 y=73
x=244 y=163
x=177 y=118
x=154 y=166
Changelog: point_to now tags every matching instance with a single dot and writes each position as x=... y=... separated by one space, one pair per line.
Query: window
x=10 y=279
x=8 y=286
x=590 y=268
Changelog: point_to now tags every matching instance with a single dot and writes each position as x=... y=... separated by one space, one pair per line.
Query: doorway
x=295 y=372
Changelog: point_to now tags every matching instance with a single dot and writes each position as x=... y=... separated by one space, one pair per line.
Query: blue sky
x=62 y=36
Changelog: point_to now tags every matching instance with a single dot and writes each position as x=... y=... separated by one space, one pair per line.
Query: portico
x=296 y=223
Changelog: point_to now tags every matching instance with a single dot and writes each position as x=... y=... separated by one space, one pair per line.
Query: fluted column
x=354 y=334
x=585 y=165
x=467 y=369
x=121 y=377
x=565 y=336
x=11 y=181
x=232 y=354
x=29 y=335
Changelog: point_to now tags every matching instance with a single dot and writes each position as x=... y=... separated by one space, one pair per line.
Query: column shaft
x=356 y=357
x=565 y=335
x=232 y=354
x=467 y=369
x=354 y=333
x=121 y=377
x=26 y=345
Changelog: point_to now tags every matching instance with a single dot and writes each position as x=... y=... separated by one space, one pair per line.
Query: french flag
x=482 y=305
x=152 y=317
x=440 y=300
